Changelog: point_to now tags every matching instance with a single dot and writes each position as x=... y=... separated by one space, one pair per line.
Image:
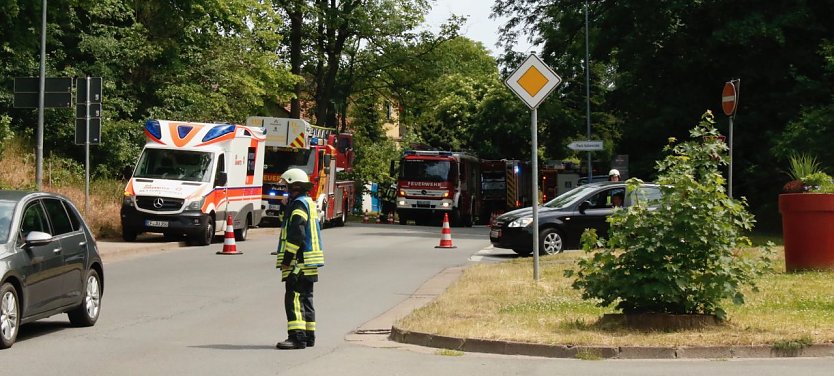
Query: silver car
x=49 y=263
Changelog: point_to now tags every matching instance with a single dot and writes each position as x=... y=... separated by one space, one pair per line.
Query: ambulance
x=191 y=177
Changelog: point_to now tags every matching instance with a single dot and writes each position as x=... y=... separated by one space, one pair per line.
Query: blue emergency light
x=153 y=127
x=218 y=131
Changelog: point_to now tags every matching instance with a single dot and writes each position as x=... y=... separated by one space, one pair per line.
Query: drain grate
x=373 y=331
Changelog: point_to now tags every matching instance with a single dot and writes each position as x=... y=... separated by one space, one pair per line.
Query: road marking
x=478 y=256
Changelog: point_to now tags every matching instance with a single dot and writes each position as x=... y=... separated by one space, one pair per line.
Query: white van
x=191 y=176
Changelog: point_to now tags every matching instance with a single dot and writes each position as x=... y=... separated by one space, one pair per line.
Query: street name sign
x=57 y=92
x=533 y=81
x=586 y=145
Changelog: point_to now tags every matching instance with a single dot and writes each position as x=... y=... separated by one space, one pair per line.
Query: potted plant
x=807 y=209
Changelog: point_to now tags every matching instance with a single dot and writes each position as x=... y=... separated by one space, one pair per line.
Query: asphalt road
x=170 y=310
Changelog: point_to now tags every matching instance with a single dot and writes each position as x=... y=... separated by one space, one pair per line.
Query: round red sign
x=729 y=99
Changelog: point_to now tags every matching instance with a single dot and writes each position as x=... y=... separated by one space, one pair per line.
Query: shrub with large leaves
x=684 y=256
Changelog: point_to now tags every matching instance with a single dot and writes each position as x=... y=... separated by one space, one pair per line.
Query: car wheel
x=9 y=315
x=86 y=314
x=207 y=235
x=241 y=233
x=551 y=242
x=128 y=235
x=403 y=220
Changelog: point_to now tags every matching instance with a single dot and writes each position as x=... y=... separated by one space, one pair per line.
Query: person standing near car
x=300 y=255
x=614 y=175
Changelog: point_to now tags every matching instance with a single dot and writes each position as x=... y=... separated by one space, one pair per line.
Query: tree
x=682 y=257
x=657 y=64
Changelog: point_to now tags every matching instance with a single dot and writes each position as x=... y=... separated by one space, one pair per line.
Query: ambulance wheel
x=128 y=235
x=241 y=233
x=207 y=234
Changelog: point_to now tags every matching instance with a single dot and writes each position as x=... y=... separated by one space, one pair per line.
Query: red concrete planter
x=808 y=230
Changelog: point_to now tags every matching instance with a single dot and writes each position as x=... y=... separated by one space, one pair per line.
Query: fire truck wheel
x=343 y=219
x=241 y=233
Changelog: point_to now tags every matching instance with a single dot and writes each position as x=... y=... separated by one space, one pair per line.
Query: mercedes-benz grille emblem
x=158 y=202
x=423 y=192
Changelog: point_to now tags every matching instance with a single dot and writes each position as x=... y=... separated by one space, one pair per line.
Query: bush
x=682 y=257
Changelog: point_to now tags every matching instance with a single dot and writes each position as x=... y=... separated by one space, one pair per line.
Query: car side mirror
x=584 y=206
x=222 y=179
x=38 y=238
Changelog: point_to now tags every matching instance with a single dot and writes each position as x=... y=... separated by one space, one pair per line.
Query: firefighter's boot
x=294 y=341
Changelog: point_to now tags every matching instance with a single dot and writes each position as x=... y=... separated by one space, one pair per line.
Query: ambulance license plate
x=156 y=223
x=274 y=207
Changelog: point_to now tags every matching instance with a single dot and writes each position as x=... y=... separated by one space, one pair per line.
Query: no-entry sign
x=729 y=98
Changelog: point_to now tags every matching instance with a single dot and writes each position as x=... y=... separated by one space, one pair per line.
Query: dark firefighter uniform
x=300 y=247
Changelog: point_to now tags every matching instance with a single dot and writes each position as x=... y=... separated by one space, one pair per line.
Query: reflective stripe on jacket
x=311 y=256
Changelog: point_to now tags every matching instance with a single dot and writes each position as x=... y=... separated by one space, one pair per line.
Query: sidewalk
x=112 y=250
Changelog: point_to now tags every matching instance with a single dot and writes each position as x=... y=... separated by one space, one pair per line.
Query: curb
x=432 y=288
x=604 y=352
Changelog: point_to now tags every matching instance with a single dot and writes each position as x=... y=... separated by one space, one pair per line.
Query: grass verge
x=502 y=302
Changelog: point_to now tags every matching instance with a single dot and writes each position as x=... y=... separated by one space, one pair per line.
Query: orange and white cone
x=365 y=218
x=446 y=234
x=390 y=218
x=229 y=247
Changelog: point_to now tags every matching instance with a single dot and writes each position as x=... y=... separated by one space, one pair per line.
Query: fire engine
x=505 y=185
x=433 y=183
x=320 y=152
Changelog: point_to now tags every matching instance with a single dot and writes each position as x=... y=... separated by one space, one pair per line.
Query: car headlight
x=521 y=222
x=195 y=205
x=128 y=201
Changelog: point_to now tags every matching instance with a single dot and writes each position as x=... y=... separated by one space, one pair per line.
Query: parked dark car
x=49 y=263
x=563 y=219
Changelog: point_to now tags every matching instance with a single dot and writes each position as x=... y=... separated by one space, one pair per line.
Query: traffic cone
x=377 y=219
x=365 y=217
x=229 y=247
x=446 y=234
x=492 y=218
x=390 y=218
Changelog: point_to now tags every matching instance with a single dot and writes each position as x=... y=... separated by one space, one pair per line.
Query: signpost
x=533 y=81
x=42 y=92
x=586 y=145
x=729 y=104
x=88 y=124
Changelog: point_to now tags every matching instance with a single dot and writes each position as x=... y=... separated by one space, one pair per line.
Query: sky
x=478 y=27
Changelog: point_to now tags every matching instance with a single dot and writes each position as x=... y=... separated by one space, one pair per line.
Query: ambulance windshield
x=174 y=165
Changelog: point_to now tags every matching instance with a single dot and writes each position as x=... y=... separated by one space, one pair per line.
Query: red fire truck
x=505 y=186
x=320 y=152
x=433 y=183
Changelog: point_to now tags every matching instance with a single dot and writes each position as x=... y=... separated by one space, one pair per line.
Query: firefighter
x=299 y=257
x=614 y=175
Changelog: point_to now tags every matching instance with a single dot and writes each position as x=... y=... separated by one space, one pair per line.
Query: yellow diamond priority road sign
x=533 y=81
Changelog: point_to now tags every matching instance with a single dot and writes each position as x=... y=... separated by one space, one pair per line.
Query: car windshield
x=6 y=212
x=278 y=162
x=426 y=170
x=174 y=165
x=570 y=197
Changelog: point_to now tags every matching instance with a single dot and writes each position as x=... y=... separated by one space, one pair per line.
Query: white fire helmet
x=614 y=172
